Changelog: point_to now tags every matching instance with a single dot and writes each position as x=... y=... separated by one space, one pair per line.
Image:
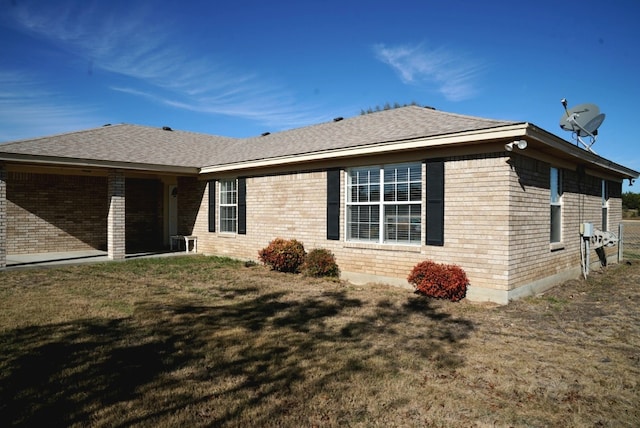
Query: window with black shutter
x=434 y=212
x=333 y=204
x=212 y=205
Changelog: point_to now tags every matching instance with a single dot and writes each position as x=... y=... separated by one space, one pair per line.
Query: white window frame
x=228 y=198
x=374 y=191
x=555 y=202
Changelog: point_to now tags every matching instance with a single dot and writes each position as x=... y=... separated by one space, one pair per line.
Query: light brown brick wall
x=497 y=221
x=3 y=216
x=280 y=206
x=190 y=194
x=293 y=205
x=116 y=217
x=55 y=213
x=531 y=255
x=476 y=219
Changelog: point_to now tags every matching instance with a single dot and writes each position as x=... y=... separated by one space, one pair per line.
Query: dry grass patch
x=203 y=341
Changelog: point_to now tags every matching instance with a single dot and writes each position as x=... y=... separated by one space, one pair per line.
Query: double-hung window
x=555 y=182
x=228 y=206
x=605 y=206
x=384 y=203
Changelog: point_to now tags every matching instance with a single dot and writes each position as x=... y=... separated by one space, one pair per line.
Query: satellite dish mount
x=582 y=121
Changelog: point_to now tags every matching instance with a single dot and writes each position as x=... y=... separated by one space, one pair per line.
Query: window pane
x=363 y=194
x=416 y=172
x=353 y=195
x=415 y=192
x=374 y=176
x=389 y=192
x=402 y=192
x=363 y=185
x=362 y=222
x=374 y=195
x=556 y=223
x=402 y=174
x=555 y=185
x=402 y=223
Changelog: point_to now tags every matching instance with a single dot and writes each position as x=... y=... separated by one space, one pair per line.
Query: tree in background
x=630 y=201
x=388 y=106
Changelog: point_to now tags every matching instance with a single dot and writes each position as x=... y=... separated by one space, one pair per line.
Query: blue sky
x=243 y=67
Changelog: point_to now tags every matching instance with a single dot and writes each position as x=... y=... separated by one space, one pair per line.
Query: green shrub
x=320 y=262
x=439 y=280
x=283 y=255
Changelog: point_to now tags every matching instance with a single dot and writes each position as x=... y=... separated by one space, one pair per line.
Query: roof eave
x=518 y=130
x=96 y=163
x=467 y=137
x=576 y=152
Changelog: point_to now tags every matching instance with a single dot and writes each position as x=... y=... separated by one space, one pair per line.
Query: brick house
x=382 y=191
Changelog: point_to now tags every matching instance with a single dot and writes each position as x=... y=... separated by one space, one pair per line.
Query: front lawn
x=203 y=341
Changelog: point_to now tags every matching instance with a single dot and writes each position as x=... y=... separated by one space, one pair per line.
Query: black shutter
x=435 y=203
x=212 y=205
x=242 y=206
x=333 y=204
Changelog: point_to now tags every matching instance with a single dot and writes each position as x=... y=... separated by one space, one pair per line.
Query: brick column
x=116 y=216
x=3 y=216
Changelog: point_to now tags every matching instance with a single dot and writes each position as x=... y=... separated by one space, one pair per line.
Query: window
x=605 y=206
x=384 y=203
x=556 y=204
x=228 y=206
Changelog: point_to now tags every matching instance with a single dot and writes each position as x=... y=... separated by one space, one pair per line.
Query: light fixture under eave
x=521 y=144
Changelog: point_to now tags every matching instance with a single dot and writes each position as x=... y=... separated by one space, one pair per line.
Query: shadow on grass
x=201 y=364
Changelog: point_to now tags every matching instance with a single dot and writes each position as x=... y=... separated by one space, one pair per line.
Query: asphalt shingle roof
x=146 y=145
x=379 y=127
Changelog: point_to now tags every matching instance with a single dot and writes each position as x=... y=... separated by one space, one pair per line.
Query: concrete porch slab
x=17 y=261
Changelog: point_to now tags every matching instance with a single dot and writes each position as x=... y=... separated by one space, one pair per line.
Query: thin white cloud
x=139 y=45
x=272 y=114
x=453 y=74
x=24 y=101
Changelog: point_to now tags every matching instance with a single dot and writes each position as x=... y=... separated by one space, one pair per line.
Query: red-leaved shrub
x=439 y=280
x=283 y=255
x=320 y=262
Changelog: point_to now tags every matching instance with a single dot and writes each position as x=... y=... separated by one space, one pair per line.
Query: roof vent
x=338 y=119
x=167 y=128
x=264 y=134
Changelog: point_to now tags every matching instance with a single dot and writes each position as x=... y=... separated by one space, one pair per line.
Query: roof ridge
x=465 y=116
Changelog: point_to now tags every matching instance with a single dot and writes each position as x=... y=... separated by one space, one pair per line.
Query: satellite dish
x=592 y=126
x=583 y=121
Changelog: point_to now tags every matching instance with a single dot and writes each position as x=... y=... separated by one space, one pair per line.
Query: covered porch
x=52 y=215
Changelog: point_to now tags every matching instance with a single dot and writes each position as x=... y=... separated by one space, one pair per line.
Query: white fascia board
x=505 y=132
x=86 y=163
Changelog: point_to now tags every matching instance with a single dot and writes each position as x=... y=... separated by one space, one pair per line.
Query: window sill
x=227 y=235
x=556 y=246
x=412 y=248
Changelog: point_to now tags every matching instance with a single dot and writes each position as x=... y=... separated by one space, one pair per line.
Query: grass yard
x=200 y=341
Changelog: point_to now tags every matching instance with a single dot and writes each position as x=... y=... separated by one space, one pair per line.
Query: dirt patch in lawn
x=202 y=341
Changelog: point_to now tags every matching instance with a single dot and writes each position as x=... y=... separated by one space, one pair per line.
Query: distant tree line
x=388 y=106
x=631 y=201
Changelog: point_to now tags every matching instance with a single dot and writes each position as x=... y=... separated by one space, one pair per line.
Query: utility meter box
x=587 y=230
